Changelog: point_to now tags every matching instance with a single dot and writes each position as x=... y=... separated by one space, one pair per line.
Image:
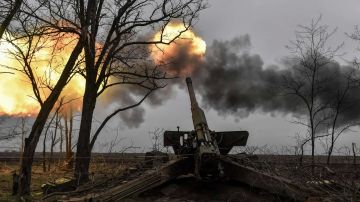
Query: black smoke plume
x=233 y=81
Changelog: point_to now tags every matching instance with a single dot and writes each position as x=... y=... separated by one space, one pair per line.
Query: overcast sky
x=271 y=26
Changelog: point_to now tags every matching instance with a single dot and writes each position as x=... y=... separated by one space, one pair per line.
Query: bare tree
x=44 y=142
x=23 y=134
x=18 y=130
x=353 y=146
x=8 y=9
x=108 y=118
x=9 y=132
x=33 y=36
x=54 y=138
x=342 y=101
x=310 y=54
x=61 y=137
x=300 y=146
x=68 y=119
x=122 y=58
x=156 y=136
x=111 y=33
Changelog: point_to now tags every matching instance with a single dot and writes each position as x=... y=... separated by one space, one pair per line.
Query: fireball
x=16 y=93
x=187 y=42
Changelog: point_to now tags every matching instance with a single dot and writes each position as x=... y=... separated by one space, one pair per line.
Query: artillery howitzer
x=204 y=145
x=207 y=152
x=201 y=152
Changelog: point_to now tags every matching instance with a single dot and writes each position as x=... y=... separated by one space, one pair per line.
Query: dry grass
x=347 y=184
x=98 y=169
x=38 y=178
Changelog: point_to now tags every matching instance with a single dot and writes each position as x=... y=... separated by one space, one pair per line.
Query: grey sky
x=271 y=26
x=271 y=23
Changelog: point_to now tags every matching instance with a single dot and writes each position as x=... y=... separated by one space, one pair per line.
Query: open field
x=108 y=165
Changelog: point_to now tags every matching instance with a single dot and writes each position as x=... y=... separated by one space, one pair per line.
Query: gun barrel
x=207 y=152
x=198 y=116
x=193 y=101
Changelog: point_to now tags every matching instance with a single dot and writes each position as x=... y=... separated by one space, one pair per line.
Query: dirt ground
x=188 y=188
x=38 y=178
x=98 y=170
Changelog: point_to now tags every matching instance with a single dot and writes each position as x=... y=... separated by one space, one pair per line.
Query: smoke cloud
x=233 y=81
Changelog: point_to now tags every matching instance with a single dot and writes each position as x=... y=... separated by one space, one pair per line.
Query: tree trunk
x=69 y=149
x=22 y=137
x=312 y=148
x=38 y=126
x=29 y=150
x=51 y=150
x=66 y=127
x=313 y=155
x=302 y=155
x=67 y=143
x=329 y=153
x=44 y=143
x=333 y=134
x=53 y=140
x=25 y=168
x=61 y=143
x=83 y=152
x=44 y=153
x=10 y=16
x=354 y=154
